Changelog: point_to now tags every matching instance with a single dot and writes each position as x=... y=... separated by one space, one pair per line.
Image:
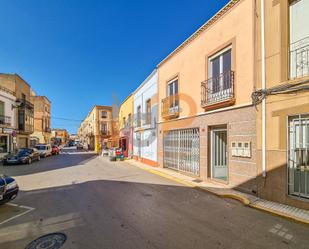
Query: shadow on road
x=67 y=158
x=119 y=214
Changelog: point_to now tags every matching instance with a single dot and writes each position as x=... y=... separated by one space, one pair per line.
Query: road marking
x=29 y=209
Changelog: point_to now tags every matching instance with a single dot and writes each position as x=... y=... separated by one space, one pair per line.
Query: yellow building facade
x=126 y=126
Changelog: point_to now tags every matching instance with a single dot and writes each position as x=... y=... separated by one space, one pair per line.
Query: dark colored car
x=55 y=150
x=22 y=156
x=8 y=189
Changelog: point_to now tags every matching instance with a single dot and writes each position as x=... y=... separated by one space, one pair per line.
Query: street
x=101 y=204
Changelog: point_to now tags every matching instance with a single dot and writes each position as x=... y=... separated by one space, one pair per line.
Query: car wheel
x=29 y=161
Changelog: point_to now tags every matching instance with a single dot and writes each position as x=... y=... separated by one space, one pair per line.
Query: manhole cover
x=48 y=241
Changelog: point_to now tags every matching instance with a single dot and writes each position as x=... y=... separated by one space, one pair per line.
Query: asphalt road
x=104 y=205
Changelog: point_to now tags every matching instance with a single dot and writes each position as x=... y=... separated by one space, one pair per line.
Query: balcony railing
x=299 y=58
x=25 y=104
x=5 y=120
x=105 y=132
x=218 y=89
x=25 y=128
x=170 y=106
x=143 y=119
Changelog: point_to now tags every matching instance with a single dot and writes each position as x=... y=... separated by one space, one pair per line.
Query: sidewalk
x=293 y=213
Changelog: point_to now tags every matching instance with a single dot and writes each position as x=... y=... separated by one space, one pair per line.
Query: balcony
x=299 y=58
x=218 y=92
x=170 y=106
x=25 y=104
x=5 y=120
x=25 y=128
x=105 y=133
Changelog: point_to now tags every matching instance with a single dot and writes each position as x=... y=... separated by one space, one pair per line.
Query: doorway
x=219 y=167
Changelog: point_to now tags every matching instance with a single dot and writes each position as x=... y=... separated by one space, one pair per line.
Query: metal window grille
x=182 y=150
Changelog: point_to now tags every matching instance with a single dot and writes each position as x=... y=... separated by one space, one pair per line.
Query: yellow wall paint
x=125 y=109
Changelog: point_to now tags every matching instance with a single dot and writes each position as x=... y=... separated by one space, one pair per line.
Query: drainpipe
x=263 y=78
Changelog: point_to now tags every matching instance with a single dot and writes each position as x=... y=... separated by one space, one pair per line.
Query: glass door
x=219 y=168
x=298 y=166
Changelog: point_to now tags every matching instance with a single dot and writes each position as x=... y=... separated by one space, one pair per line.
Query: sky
x=80 y=53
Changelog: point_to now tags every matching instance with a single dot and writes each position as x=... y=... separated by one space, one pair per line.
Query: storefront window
x=3 y=144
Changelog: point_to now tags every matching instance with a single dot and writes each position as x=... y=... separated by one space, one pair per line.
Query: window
x=220 y=84
x=124 y=121
x=129 y=119
x=299 y=39
x=3 y=144
x=104 y=127
x=219 y=69
x=172 y=87
x=139 y=116
x=2 y=117
x=1 y=108
x=148 y=112
x=104 y=114
x=172 y=92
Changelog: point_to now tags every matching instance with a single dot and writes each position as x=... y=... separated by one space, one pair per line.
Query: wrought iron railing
x=5 y=120
x=142 y=119
x=299 y=58
x=105 y=132
x=217 y=89
x=25 y=104
x=170 y=106
x=28 y=128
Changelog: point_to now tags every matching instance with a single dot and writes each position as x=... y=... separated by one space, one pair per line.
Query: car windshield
x=23 y=152
x=41 y=147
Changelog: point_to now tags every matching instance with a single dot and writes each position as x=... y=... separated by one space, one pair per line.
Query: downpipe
x=263 y=78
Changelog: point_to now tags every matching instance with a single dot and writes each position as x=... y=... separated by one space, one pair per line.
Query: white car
x=45 y=150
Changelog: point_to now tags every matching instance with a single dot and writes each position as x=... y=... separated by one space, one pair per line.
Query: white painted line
x=26 y=207
x=29 y=209
x=12 y=204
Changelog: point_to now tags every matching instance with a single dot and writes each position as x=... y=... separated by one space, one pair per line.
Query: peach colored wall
x=278 y=107
x=190 y=62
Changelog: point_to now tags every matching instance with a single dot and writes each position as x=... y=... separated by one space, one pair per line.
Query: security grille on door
x=298 y=166
x=182 y=150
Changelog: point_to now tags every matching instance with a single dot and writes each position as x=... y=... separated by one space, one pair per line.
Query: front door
x=219 y=168
x=298 y=166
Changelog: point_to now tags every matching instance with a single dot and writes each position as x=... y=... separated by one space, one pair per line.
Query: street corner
x=11 y=211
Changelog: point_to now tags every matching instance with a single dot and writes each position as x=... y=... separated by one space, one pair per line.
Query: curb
x=245 y=201
x=280 y=214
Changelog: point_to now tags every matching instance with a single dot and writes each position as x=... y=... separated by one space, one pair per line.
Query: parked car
x=79 y=146
x=44 y=149
x=8 y=189
x=55 y=150
x=22 y=156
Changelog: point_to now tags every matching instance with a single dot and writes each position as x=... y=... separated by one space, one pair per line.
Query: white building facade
x=8 y=121
x=145 y=120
